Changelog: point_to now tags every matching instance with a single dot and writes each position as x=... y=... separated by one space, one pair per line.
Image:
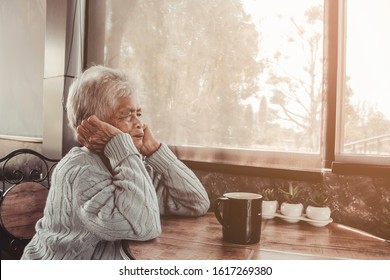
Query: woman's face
x=126 y=117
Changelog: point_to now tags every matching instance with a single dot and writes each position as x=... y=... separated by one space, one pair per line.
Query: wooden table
x=200 y=238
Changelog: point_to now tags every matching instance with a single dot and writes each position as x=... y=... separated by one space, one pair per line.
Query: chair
x=25 y=176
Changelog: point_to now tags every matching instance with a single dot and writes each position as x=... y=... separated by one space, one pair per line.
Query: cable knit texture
x=89 y=211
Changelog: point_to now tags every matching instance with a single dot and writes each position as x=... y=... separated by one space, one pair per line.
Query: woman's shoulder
x=79 y=156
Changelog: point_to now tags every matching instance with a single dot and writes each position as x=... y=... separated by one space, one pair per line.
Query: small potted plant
x=291 y=207
x=317 y=208
x=270 y=203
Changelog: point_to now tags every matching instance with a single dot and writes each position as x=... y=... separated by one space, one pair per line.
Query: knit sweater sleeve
x=178 y=189
x=123 y=206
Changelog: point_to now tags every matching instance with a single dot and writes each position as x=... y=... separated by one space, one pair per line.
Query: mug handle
x=217 y=213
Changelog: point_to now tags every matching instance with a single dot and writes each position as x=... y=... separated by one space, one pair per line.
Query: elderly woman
x=118 y=184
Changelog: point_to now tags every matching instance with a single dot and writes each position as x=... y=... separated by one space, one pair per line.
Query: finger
x=148 y=133
x=93 y=129
x=83 y=131
x=90 y=124
x=93 y=118
x=146 y=128
x=86 y=129
x=94 y=121
x=81 y=140
x=85 y=136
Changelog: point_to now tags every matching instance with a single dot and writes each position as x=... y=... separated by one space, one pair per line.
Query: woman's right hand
x=95 y=134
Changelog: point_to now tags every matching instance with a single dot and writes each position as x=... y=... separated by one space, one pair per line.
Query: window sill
x=22 y=138
x=343 y=168
x=285 y=165
x=290 y=174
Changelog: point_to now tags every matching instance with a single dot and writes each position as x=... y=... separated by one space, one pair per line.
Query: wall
x=7 y=146
x=357 y=201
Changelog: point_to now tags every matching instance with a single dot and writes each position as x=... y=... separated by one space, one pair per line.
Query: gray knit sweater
x=89 y=211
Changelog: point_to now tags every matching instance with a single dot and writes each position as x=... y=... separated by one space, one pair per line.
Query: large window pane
x=236 y=74
x=366 y=88
x=22 y=33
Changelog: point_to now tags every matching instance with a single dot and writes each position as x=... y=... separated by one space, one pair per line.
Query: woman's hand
x=149 y=143
x=95 y=134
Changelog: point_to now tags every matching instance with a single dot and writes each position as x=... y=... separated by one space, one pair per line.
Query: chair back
x=25 y=178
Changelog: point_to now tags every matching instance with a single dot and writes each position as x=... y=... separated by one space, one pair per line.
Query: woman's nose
x=138 y=122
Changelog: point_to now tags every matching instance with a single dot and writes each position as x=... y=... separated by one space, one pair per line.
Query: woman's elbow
x=204 y=206
x=150 y=232
x=148 y=225
x=201 y=207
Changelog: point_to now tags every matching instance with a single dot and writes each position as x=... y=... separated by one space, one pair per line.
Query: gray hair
x=96 y=92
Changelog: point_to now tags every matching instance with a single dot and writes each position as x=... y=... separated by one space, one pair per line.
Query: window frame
x=256 y=162
x=350 y=163
x=265 y=162
x=248 y=157
x=224 y=156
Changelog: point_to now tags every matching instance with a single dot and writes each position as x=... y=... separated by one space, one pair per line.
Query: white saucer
x=290 y=219
x=316 y=223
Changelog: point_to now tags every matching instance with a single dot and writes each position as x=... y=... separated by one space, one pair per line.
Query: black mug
x=241 y=218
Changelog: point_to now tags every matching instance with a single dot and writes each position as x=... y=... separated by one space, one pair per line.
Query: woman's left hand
x=149 y=143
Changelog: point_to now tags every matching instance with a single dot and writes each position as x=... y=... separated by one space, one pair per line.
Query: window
x=22 y=33
x=364 y=87
x=253 y=83
x=223 y=80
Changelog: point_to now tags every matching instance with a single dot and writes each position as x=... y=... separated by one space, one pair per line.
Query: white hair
x=96 y=92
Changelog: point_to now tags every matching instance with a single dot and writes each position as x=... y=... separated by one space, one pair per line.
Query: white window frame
x=312 y=162
x=341 y=157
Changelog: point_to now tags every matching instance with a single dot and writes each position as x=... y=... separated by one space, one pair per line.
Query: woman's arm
x=178 y=189
x=123 y=206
